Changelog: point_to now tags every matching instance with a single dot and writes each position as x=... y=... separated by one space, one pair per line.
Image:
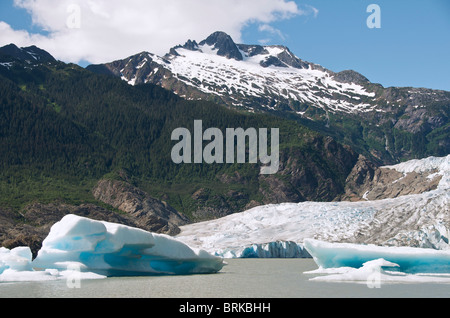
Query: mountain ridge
x=65 y=128
x=30 y=54
x=386 y=124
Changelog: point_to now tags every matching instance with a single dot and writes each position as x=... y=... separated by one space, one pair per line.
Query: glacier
x=98 y=249
x=278 y=230
x=417 y=251
x=255 y=232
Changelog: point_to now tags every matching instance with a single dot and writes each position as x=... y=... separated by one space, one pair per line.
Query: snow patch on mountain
x=219 y=75
x=439 y=165
x=242 y=74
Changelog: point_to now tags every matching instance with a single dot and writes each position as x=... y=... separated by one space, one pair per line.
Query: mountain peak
x=31 y=54
x=224 y=45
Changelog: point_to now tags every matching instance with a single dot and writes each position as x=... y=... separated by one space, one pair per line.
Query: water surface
x=241 y=278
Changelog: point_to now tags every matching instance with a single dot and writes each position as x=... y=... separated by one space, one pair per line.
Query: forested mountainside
x=388 y=125
x=64 y=128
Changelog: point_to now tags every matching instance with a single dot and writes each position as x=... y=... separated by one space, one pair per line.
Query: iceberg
x=15 y=266
x=81 y=248
x=111 y=249
x=18 y=259
x=353 y=262
x=373 y=273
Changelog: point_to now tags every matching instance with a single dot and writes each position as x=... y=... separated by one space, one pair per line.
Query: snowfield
x=202 y=68
x=249 y=78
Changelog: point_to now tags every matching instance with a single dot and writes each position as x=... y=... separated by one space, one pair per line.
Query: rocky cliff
x=137 y=209
x=149 y=213
x=368 y=181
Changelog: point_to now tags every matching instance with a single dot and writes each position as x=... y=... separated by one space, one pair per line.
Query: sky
x=409 y=45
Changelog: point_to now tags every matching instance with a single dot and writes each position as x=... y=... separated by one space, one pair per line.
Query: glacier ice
x=260 y=231
x=260 y=228
x=278 y=249
x=117 y=250
x=406 y=259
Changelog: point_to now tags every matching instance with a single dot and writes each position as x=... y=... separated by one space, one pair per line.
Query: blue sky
x=412 y=47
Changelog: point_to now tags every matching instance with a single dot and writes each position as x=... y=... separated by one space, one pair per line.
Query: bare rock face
x=32 y=225
x=370 y=182
x=154 y=215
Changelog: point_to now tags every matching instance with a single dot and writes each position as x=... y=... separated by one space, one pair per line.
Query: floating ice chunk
x=15 y=266
x=11 y=275
x=375 y=272
x=408 y=259
x=116 y=250
x=369 y=272
x=17 y=259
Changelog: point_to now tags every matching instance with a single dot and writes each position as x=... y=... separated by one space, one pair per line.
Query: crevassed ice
x=255 y=232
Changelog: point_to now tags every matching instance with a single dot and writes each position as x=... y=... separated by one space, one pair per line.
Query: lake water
x=241 y=278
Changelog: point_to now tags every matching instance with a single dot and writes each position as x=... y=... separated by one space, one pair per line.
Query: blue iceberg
x=116 y=250
x=404 y=259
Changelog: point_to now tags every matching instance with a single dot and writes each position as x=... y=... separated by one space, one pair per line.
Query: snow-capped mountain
x=254 y=77
x=250 y=76
x=385 y=124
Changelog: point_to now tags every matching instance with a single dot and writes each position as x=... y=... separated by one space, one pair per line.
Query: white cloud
x=307 y=9
x=304 y=10
x=103 y=30
x=270 y=29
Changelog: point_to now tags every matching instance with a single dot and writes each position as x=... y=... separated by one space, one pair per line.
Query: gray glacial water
x=241 y=278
